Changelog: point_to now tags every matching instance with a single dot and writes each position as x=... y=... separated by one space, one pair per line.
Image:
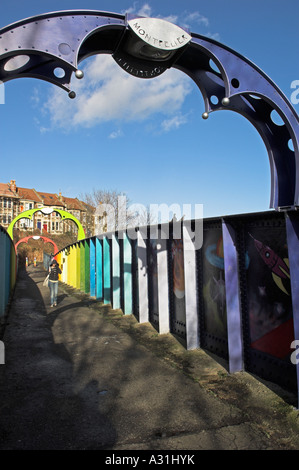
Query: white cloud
x=145 y=10
x=107 y=93
x=173 y=123
x=215 y=36
x=196 y=18
x=116 y=134
x=35 y=97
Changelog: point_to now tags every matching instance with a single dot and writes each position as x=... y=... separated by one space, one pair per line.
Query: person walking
x=54 y=271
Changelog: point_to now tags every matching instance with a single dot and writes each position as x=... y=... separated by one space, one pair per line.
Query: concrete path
x=81 y=376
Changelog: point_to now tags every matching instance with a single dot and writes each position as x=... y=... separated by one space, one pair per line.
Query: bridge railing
x=8 y=270
x=236 y=296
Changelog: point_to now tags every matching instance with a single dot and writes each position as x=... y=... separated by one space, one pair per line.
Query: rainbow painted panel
x=8 y=269
x=92 y=265
x=106 y=271
x=82 y=266
x=87 y=267
x=99 y=269
x=77 y=263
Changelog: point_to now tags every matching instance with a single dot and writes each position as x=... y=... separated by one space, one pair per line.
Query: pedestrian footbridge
x=233 y=295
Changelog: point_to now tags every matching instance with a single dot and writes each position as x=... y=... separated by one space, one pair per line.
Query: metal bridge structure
x=238 y=294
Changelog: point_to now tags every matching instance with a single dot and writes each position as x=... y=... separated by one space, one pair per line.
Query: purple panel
x=234 y=333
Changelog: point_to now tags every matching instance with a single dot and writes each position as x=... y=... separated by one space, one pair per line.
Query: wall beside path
x=234 y=295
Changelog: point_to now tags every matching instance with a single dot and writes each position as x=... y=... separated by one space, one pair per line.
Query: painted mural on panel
x=179 y=313
x=214 y=284
x=268 y=292
x=153 y=281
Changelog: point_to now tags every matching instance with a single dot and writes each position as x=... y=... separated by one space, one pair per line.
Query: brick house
x=14 y=200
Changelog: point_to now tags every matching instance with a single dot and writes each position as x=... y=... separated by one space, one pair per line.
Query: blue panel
x=92 y=266
x=99 y=269
x=107 y=271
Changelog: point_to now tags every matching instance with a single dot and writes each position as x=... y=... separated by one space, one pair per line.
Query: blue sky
x=148 y=139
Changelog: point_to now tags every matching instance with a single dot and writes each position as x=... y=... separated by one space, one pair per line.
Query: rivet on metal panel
x=64 y=48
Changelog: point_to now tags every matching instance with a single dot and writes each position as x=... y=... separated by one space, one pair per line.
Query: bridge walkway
x=81 y=376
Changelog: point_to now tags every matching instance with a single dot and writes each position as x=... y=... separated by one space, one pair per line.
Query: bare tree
x=111 y=210
x=144 y=216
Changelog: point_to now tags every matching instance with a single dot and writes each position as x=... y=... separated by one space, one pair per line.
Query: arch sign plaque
x=149 y=45
x=52 y=45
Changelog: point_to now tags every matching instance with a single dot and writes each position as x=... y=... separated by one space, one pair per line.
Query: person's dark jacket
x=54 y=271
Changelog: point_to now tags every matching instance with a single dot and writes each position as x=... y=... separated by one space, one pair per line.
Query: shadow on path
x=74 y=378
x=41 y=406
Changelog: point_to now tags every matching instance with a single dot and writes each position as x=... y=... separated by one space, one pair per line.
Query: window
x=4 y=219
x=53 y=226
x=4 y=202
x=9 y=204
x=57 y=226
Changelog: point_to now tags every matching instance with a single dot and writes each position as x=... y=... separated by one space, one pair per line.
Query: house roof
x=72 y=203
x=50 y=199
x=47 y=199
x=88 y=207
x=5 y=191
x=28 y=194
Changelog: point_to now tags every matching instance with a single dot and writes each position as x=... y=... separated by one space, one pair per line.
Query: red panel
x=278 y=341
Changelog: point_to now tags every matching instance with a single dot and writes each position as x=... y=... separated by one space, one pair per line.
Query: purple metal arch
x=63 y=39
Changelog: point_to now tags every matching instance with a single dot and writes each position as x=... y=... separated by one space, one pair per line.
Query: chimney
x=13 y=186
